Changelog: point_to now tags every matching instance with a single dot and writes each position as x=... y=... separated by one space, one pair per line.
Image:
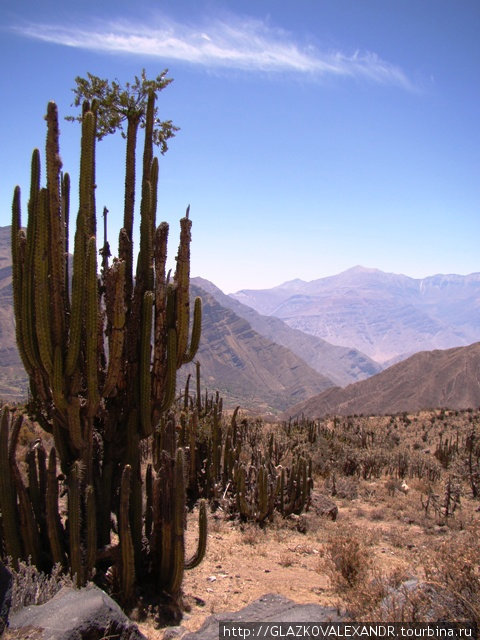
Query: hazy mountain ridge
x=342 y=365
x=240 y=356
x=429 y=379
x=383 y=315
x=247 y=368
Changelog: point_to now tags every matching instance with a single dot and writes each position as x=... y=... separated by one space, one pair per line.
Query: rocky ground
x=377 y=537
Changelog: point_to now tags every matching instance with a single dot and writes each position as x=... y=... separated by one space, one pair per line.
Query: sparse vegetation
x=31 y=586
x=384 y=558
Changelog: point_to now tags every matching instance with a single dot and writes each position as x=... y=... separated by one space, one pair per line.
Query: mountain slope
x=341 y=364
x=429 y=379
x=247 y=368
x=386 y=316
x=13 y=379
x=243 y=365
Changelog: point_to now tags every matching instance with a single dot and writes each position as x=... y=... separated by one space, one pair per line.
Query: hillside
x=13 y=379
x=384 y=315
x=342 y=365
x=247 y=368
x=429 y=379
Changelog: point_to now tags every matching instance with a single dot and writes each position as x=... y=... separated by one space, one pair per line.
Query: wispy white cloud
x=234 y=43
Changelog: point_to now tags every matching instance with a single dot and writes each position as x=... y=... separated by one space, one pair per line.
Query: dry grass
x=31 y=586
x=348 y=560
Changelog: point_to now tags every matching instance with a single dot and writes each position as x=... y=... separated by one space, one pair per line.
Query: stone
x=271 y=607
x=174 y=633
x=74 y=614
x=323 y=506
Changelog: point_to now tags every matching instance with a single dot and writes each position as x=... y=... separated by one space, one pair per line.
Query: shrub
x=31 y=586
x=347 y=561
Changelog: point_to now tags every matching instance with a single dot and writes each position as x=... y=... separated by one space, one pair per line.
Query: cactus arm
x=171 y=373
x=75 y=424
x=74 y=523
x=54 y=525
x=144 y=278
x=57 y=384
x=27 y=310
x=160 y=325
x=164 y=525
x=148 y=143
x=66 y=219
x=174 y=580
x=17 y=276
x=36 y=471
x=181 y=280
x=149 y=501
x=87 y=174
x=28 y=526
x=115 y=359
x=78 y=295
x=91 y=552
x=8 y=494
x=125 y=535
x=43 y=311
x=145 y=355
x=91 y=326
x=196 y=332
x=56 y=227
x=153 y=193
x=199 y=554
x=136 y=498
x=62 y=445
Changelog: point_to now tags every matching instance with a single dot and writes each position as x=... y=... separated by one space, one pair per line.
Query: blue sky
x=315 y=134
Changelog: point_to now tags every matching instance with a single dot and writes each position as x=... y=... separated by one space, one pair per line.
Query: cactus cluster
x=235 y=464
x=96 y=382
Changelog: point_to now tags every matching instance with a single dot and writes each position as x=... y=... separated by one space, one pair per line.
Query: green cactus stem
x=74 y=523
x=8 y=495
x=56 y=533
x=199 y=554
x=127 y=576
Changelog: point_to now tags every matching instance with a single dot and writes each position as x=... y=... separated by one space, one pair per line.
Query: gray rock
x=75 y=614
x=323 y=506
x=174 y=633
x=268 y=608
x=398 y=597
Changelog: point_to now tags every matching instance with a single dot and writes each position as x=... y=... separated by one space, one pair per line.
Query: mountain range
x=247 y=368
x=262 y=361
x=386 y=316
x=342 y=365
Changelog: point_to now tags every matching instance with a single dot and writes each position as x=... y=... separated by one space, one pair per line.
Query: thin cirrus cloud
x=249 y=45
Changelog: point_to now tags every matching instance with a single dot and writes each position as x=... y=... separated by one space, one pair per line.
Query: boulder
x=323 y=506
x=74 y=614
x=268 y=608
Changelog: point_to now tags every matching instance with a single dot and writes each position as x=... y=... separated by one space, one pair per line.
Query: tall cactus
x=96 y=381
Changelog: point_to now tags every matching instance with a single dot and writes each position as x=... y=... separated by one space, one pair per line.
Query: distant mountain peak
x=358 y=268
x=384 y=315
